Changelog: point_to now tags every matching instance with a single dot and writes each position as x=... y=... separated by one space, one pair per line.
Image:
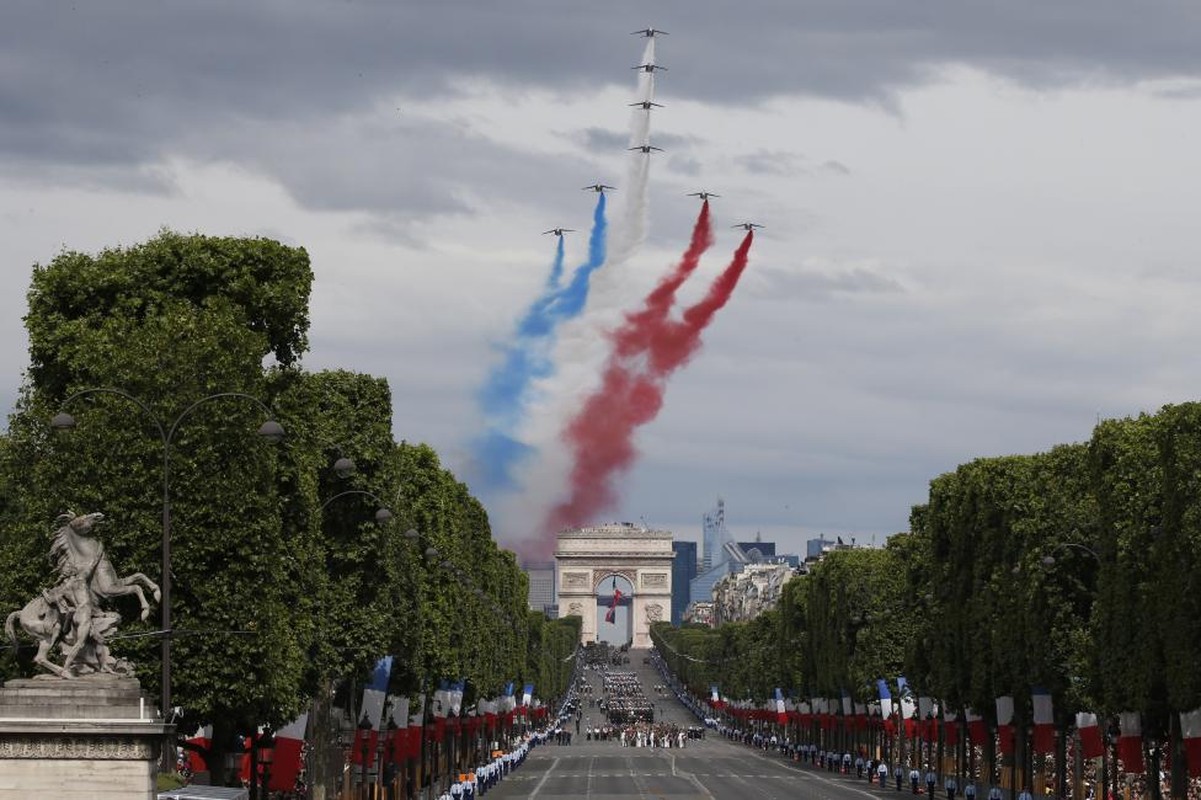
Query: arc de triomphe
x=586 y=557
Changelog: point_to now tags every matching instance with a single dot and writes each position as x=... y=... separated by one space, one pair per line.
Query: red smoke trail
x=601 y=435
x=635 y=335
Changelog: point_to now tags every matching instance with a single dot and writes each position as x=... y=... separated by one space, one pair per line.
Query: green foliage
x=78 y=296
x=283 y=581
x=853 y=613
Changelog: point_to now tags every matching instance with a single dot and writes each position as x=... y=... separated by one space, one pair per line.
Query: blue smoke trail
x=504 y=395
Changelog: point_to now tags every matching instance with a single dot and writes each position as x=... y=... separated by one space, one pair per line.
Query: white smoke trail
x=582 y=348
x=629 y=230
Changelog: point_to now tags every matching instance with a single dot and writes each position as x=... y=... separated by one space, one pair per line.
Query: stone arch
x=600 y=576
x=587 y=558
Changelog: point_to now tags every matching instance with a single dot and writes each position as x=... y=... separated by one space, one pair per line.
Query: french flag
x=925 y=711
x=977 y=731
x=1044 y=721
x=611 y=615
x=907 y=704
x=1130 y=741
x=1005 y=723
x=950 y=728
x=285 y=761
x=416 y=720
x=527 y=694
x=885 y=698
x=442 y=700
x=373 y=709
x=1091 y=744
x=399 y=716
x=781 y=711
x=1190 y=729
x=715 y=697
x=203 y=737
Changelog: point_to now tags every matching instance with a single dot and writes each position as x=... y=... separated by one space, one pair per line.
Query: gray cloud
x=836 y=168
x=600 y=140
x=683 y=165
x=119 y=82
x=775 y=283
x=853 y=413
x=772 y=163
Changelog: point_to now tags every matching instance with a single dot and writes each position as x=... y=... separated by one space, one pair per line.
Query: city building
x=542 y=586
x=816 y=549
x=683 y=570
x=715 y=536
x=700 y=589
x=699 y=614
x=747 y=593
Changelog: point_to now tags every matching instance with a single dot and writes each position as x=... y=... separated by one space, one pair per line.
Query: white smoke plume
x=582 y=348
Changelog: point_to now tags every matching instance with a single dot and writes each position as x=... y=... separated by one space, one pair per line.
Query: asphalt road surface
x=713 y=768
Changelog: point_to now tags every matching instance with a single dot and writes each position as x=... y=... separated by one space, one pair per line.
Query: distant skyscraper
x=683 y=570
x=542 y=585
x=715 y=535
x=701 y=588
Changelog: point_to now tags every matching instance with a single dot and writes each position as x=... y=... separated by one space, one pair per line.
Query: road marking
x=538 y=788
x=690 y=777
x=816 y=776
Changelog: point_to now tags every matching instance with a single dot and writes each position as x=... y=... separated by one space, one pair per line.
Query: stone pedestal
x=91 y=737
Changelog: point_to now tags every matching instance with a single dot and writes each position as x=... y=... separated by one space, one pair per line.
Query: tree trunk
x=1179 y=767
x=1151 y=754
x=316 y=771
x=223 y=735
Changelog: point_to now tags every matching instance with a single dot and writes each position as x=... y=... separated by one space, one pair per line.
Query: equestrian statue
x=69 y=614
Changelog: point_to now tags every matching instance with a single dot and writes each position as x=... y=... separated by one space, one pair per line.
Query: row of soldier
x=625 y=700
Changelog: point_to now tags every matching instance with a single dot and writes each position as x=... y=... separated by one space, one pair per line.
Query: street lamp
x=382 y=514
x=270 y=430
x=1049 y=560
x=344 y=467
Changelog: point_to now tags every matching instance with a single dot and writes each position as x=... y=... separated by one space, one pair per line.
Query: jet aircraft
x=599 y=187
x=647 y=104
x=649 y=67
x=749 y=226
x=649 y=33
x=559 y=231
x=703 y=195
x=646 y=148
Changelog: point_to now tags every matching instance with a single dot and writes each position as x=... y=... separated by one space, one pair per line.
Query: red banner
x=1005 y=735
x=285 y=764
x=1044 y=739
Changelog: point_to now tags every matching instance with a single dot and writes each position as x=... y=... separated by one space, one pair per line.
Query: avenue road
x=713 y=768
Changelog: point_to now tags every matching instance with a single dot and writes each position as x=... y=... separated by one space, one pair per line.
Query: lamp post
x=343 y=467
x=1049 y=560
x=382 y=514
x=365 y=728
x=270 y=430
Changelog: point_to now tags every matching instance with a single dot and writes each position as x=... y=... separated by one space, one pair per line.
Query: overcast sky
x=980 y=231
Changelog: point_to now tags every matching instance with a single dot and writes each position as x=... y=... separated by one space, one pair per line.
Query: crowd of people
x=625 y=700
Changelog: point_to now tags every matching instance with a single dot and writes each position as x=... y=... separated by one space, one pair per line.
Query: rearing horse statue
x=74 y=552
x=69 y=614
